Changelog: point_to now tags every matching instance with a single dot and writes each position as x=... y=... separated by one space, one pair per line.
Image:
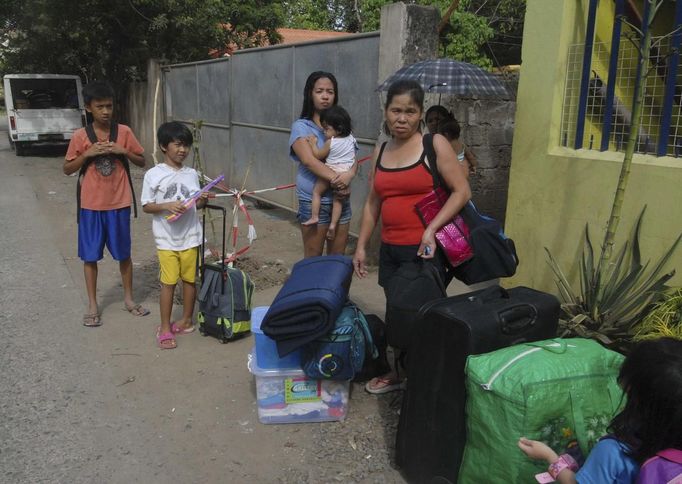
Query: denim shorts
x=305 y=212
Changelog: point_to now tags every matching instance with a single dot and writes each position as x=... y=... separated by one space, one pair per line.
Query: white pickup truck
x=42 y=108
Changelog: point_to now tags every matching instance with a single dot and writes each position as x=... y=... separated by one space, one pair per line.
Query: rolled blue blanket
x=309 y=302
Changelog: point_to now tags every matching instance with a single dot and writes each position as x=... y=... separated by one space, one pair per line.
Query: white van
x=42 y=108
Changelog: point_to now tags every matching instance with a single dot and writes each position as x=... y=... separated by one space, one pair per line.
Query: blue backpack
x=340 y=354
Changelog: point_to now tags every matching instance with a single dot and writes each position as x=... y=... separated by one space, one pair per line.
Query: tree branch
x=448 y=13
x=130 y=2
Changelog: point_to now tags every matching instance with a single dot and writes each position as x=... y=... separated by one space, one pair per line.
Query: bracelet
x=565 y=461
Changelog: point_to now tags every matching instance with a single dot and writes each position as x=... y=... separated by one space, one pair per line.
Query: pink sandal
x=177 y=329
x=166 y=341
x=380 y=385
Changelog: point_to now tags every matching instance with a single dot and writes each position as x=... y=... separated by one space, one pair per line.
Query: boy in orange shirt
x=100 y=151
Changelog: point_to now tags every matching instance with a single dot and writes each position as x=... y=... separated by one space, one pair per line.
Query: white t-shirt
x=163 y=184
x=342 y=153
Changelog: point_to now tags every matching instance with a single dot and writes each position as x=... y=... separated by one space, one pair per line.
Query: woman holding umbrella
x=320 y=92
x=401 y=178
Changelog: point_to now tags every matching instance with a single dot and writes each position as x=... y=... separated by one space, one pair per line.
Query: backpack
x=340 y=354
x=663 y=468
x=379 y=366
x=113 y=136
x=413 y=285
x=224 y=302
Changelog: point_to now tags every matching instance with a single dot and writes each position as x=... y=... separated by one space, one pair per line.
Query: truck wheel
x=20 y=148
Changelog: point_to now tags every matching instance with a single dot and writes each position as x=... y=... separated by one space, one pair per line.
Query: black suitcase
x=431 y=430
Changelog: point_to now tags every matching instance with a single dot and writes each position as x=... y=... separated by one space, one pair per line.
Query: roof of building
x=295 y=36
x=289 y=36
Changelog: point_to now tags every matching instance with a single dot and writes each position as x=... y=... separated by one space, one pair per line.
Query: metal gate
x=247 y=103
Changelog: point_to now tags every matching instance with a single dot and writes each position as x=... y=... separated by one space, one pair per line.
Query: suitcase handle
x=517 y=319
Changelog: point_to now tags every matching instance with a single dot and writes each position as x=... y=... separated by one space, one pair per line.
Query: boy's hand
x=176 y=207
x=97 y=149
x=203 y=199
x=117 y=149
x=312 y=139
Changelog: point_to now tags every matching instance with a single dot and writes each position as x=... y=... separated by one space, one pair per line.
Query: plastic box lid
x=252 y=365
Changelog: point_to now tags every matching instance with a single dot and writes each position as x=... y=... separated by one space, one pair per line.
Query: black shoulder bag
x=494 y=253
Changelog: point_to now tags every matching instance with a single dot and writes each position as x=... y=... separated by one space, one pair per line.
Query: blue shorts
x=305 y=212
x=98 y=228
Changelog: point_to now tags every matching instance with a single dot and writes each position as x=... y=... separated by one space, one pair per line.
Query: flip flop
x=385 y=385
x=91 y=320
x=137 y=310
x=166 y=341
x=176 y=329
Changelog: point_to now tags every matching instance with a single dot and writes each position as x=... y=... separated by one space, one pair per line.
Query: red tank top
x=399 y=190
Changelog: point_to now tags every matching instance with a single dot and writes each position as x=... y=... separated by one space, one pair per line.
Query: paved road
x=105 y=405
x=53 y=389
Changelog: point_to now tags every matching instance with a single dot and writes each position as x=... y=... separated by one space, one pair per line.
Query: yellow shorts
x=178 y=264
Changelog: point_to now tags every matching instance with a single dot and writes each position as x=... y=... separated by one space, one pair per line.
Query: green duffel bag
x=560 y=391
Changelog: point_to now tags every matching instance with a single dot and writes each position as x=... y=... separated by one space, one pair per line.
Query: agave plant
x=615 y=293
x=613 y=298
x=664 y=319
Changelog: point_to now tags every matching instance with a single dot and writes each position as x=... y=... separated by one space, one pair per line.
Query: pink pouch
x=452 y=237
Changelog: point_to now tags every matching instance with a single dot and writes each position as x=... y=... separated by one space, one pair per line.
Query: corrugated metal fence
x=247 y=103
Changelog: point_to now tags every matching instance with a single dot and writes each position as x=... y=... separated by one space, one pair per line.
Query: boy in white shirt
x=165 y=188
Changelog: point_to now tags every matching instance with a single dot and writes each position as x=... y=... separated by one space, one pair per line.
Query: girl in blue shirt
x=651 y=377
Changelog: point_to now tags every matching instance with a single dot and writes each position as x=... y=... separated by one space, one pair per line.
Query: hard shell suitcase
x=431 y=430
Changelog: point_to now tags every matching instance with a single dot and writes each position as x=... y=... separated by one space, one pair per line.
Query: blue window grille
x=597 y=113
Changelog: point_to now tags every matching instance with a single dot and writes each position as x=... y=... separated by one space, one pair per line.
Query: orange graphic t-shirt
x=105 y=183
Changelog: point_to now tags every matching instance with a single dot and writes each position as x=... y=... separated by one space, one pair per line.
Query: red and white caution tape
x=238 y=195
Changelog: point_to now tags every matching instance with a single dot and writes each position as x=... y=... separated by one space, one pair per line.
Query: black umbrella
x=447 y=76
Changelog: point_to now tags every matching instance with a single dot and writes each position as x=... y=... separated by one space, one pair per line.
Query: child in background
x=105 y=194
x=651 y=377
x=339 y=150
x=165 y=188
x=451 y=130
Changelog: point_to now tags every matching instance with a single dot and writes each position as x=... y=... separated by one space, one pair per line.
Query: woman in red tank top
x=400 y=180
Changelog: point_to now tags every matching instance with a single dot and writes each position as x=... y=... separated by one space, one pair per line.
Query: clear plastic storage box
x=288 y=396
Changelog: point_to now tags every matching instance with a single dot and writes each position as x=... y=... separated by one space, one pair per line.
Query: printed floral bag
x=562 y=392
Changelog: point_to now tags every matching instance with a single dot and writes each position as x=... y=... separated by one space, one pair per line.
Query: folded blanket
x=309 y=302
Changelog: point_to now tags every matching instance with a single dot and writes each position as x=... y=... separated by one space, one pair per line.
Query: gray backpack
x=224 y=302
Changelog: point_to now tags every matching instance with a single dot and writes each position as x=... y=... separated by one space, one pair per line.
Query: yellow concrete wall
x=555 y=191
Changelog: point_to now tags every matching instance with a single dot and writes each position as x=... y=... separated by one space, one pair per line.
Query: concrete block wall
x=488 y=130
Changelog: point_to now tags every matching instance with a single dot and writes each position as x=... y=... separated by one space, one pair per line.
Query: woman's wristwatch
x=565 y=461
